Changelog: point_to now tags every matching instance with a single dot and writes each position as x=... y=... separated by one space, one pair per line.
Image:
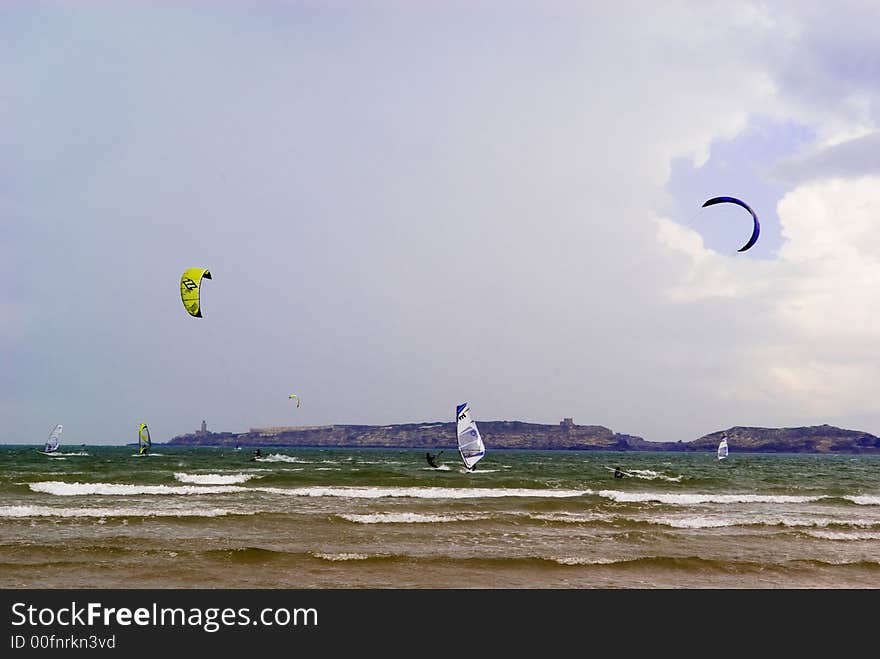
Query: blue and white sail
x=54 y=440
x=470 y=443
x=722 y=448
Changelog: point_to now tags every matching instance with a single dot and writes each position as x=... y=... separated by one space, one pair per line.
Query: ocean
x=182 y=517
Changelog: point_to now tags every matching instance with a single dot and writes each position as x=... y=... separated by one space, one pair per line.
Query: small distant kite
x=739 y=202
x=190 y=285
x=294 y=396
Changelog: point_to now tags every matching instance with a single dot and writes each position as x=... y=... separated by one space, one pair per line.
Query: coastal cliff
x=811 y=439
x=521 y=435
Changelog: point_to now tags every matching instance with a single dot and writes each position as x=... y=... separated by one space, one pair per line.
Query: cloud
x=817 y=344
x=833 y=245
x=711 y=275
x=852 y=158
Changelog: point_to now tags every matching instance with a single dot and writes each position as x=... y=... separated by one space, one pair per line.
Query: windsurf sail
x=144 y=439
x=722 y=448
x=54 y=440
x=470 y=443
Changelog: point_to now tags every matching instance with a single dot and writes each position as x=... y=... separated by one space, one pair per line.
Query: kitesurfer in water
x=257 y=454
x=618 y=473
x=431 y=459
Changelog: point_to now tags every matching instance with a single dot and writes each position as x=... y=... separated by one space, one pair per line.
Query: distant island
x=565 y=435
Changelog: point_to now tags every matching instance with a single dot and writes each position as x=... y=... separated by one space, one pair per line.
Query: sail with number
x=722 y=448
x=470 y=443
x=54 y=440
x=144 y=439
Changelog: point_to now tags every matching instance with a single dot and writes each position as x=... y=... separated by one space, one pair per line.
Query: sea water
x=182 y=517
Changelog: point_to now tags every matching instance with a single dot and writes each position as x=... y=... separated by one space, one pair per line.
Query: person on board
x=258 y=454
x=618 y=473
x=431 y=459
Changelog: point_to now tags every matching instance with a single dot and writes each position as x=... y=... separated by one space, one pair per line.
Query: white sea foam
x=420 y=492
x=864 y=500
x=842 y=535
x=342 y=557
x=650 y=474
x=577 y=560
x=691 y=499
x=214 y=479
x=354 y=492
x=114 y=489
x=696 y=522
x=409 y=518
x=722 y=521
x=570 y=518
x=48 y=511
x=278 y=457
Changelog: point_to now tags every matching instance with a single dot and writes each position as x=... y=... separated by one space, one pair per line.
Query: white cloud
x=832 y=230
x=818 y=350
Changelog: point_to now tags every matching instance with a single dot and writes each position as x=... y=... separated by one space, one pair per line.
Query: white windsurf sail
x=54 y=440
x=722 y=448
x=144 y=439
x=470 y=443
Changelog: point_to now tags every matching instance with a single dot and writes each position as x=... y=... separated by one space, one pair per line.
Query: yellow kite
x=190 y=284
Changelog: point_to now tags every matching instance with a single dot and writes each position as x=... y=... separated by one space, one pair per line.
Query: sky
x=407 y=205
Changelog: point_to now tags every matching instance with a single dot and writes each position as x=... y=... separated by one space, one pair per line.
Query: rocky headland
x=521 y=435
